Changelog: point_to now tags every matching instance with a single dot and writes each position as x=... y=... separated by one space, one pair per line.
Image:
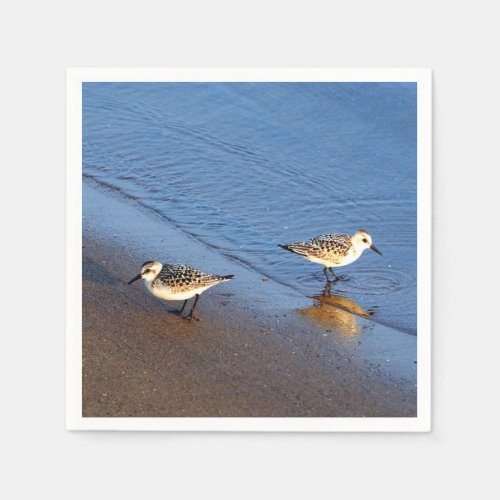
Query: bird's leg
x=327 y=291
x=325 y=272
x=183 y=306
x=191 y=315
x=335 y=277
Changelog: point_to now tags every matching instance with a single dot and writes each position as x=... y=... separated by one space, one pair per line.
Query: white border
x=75 y=77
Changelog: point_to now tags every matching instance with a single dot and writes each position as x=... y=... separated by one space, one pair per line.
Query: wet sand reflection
x=337 y=312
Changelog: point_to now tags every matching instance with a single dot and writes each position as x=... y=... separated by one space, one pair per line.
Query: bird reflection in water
x=337 y=312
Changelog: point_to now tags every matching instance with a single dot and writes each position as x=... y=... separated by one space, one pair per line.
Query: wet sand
x=259 y=350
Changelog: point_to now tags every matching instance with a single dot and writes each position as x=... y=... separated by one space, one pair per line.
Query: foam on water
x=244 y=166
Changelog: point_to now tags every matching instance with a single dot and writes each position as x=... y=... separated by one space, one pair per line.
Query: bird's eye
x=365 y=240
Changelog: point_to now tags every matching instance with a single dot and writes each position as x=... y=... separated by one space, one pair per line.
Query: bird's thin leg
x=334 y=275
x=325 y=272
x=191 y=313
x=183 y=306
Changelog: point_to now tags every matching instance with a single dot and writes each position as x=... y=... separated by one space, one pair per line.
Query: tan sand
x=140 y=360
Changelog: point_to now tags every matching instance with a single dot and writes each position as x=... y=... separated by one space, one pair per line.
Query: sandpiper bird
x=333 y=250
x=177 y=282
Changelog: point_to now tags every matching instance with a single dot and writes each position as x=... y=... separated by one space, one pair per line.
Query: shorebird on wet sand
x=333 y=250
x=177 y=282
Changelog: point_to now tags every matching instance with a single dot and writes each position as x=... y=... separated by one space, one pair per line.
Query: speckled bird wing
x=330 y=247
x=183 y=278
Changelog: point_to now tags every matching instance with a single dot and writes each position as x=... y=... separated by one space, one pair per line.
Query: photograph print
x=252 y=249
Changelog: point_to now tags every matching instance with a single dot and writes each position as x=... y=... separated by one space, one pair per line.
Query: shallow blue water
x=244 y=166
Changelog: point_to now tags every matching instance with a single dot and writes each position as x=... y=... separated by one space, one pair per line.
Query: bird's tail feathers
x=295 y=248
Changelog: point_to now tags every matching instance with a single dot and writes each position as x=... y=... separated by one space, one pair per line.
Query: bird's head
x=362 y=240
x=149 y=271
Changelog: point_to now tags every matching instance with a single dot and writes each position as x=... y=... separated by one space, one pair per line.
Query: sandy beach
x=259 y=350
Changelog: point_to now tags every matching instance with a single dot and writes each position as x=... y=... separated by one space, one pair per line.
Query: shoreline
x=347 y=305
x=260 y=349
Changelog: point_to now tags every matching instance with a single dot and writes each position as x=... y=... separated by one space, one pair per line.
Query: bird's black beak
x=375 y=249
x=138 y=277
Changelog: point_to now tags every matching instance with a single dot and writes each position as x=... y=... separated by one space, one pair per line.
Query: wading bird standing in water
x=333 y=250
x=177 y=282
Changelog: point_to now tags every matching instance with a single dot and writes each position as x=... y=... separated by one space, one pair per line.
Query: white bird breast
x=348 y=259
x=166 y=293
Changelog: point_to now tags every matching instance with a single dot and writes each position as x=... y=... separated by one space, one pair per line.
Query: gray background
x=459 y=41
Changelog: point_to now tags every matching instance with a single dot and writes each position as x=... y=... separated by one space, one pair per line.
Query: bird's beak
x=138 y=277
x=375 y=249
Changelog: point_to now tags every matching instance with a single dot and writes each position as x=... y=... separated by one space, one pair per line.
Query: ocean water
x=245 y=166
